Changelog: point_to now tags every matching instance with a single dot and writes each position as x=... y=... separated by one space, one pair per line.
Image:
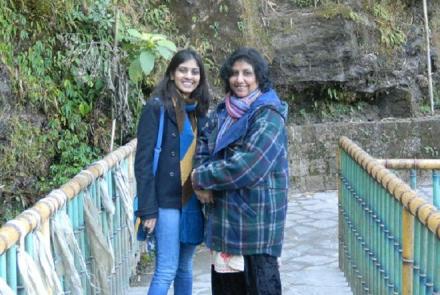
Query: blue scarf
x=187 y=137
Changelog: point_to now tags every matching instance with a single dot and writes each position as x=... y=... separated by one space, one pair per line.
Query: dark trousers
x=261 y=276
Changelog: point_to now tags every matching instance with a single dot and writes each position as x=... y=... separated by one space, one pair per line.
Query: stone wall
x=312 y=148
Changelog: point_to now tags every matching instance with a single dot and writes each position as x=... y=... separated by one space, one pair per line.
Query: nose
x=240 y=77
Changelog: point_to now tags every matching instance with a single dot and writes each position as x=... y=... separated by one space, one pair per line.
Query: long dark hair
x=166 y=89
x=252 y=57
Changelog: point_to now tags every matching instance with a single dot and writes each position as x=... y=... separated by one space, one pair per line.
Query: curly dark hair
x=252 y=57
x=166 y=89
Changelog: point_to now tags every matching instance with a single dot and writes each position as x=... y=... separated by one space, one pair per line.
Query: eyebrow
x=188 y=68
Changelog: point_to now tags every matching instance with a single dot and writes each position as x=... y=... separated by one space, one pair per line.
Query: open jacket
x=248 y=173
x=165 y=189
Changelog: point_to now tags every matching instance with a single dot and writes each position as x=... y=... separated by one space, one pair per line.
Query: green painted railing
x=415 y=165
x=98 y=203
x=388 y=235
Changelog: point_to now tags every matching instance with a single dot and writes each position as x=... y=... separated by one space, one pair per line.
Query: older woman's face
x=243 y=80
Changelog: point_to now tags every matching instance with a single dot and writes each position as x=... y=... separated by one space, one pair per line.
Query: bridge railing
x=79 y=238
x=388 y=235
x=414 y=166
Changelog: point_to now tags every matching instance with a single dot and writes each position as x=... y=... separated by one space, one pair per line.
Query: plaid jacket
x=248 y=173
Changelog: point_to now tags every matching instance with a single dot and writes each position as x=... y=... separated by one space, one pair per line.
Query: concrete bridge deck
x=310 y=255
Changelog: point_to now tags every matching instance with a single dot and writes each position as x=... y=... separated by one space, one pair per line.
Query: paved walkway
x=310 y=253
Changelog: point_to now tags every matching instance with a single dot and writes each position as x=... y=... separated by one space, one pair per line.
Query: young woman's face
x=243 y=80
x=187 y=77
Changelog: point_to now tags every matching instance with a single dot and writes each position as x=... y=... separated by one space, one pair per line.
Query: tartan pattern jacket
x=248 y=174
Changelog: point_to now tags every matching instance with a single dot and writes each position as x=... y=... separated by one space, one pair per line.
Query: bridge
x=375 y=235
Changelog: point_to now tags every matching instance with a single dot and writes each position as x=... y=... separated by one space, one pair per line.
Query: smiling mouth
x=187 y=84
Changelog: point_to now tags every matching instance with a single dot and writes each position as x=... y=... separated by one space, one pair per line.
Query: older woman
x=242 y=172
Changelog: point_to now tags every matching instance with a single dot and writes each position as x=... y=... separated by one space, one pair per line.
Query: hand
x=192 y=177
x=149 y=225
x=204 y=196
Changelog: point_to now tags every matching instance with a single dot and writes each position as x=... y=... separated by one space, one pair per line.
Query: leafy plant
x=241 y=26
x=329 y=11
x=425 y=108
x=431 y=151
x=390 y=34
x=223 y=8
x=145 y=49
x=159 y=17
x=215 y=27
x=66 y=73
x=332 y=93
x=303 y=3
x=437 y=97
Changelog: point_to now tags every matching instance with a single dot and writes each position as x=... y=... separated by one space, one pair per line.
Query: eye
x=182 y=70
x=248 y=73
x=195 y=72
x=234 y=73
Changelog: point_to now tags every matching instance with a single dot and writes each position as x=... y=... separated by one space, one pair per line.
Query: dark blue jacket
x=163 y=190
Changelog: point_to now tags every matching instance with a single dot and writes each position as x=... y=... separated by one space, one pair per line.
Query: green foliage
x=27 y=144
x=223 y=8
x=390 y=34
x=303 y=3
x=425 y=108
x=241 y=26
x=330 y=11
x=144 y=50
x=215 y=27
x=338 y=94
x=160 y=18
x=25 y=160
x=436 y=93
x=432 y=152
x=68 y=71
x=74 y=156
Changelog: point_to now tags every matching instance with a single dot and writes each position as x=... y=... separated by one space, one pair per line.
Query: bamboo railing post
x=407 y=252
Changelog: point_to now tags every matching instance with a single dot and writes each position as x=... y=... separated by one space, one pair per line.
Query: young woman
x=184 y=94
x=242 y=171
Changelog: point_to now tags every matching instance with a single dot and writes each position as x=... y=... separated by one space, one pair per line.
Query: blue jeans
x=173 y=259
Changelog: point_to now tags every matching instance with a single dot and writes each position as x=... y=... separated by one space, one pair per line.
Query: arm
x=143 y=165
x=202 y=149
x=261 y=146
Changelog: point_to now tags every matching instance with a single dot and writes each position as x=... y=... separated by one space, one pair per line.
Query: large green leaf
x=134 y=33
x=157 y=37
x=147 y=61
x=165 y=52
x=135 y=71
x=167 y=44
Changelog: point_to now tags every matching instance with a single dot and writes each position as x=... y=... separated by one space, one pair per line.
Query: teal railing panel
x=371 y=225
x=372 y=205
x=436 y=188
x=114 y=226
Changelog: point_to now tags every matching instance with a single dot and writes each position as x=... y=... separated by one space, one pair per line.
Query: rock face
x=340 y=52
x=310 y=52
x=318 y=51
